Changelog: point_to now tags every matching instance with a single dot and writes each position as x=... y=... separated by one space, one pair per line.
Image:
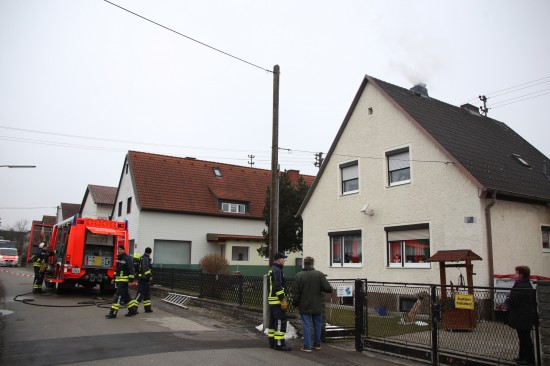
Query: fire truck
x=85 y=252
x=40 y=233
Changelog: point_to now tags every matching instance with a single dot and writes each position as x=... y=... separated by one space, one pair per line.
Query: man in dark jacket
x=124 y=274
x=278 y=304
x=145 y=276
x=307 y=297
x=522 y=315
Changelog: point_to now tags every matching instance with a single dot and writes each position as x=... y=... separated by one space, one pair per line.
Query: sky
x=82 y=82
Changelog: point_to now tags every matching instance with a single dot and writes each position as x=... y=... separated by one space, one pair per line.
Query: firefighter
x=278 y=305
x=124 y=274
x=40 y=259
x=145 y=276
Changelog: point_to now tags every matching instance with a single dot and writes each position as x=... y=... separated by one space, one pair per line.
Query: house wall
x=438 y=194
x=93 y=210
x=125 y=190
x=517 y=227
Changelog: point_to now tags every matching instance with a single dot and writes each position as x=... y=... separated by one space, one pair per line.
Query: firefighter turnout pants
x=144 y=294
x=38 y=279
x=277 y=326
x=121 y=294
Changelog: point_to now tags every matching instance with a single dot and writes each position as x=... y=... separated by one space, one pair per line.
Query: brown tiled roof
x=102 y=195
x=186 y=185
x=49 y=220
x=69 y=209
x=454 y=256
x=226 y=237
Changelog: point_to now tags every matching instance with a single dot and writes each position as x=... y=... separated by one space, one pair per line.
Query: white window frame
x=348 y=173
x=236 y=249
x=396 y=162
x=232 y=207
x=401 y=235
x=342 y=236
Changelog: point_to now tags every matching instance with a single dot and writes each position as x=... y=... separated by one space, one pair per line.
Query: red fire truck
x=85 y=253
x=39 y=233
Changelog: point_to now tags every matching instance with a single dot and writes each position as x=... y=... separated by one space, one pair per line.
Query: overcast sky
x=82 y=82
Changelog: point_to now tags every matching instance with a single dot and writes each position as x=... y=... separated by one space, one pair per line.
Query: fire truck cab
x=85 y=253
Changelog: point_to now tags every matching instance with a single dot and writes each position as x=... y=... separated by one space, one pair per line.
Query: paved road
x=72 y=330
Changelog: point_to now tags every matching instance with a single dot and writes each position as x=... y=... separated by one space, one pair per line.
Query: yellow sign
x=464 y=301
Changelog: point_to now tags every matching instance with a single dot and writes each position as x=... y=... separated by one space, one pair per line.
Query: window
x=234 y=207
x=408 y=246
x=120 y=209
x=217 y=172
x=129 y=205
x=346 y=249
x=239 y=254
x=350 y=177
x=546 y=238
x=399 y=168
x=521 y=160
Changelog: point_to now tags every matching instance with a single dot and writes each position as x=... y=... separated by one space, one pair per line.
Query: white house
x=408 y=175
x=98 y=202
x=185 y=208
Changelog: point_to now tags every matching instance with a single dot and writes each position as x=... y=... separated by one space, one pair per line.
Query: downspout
x=490 y=238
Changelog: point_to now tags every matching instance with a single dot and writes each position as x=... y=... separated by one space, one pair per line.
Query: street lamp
x=17 y=166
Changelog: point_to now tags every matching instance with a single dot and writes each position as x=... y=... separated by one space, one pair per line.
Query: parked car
x=9 y=257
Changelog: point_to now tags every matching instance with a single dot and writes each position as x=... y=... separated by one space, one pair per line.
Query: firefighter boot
x=271 y=342
x=111 y=315
x=281 y=346
x=148 y=309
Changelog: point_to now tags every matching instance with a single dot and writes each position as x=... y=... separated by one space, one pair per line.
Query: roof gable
x=102 y=195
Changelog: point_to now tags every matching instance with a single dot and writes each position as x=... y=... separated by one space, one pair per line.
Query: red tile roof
x=226 y=237
x=187 y=185
x=454 y=256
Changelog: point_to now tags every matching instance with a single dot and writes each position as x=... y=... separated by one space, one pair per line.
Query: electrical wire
x=192 y=39
x=509 y=88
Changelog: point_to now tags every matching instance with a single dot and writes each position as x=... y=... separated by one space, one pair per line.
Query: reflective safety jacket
x=124 y=271
x=276 y=284
x=41 y=257
x=145 y=268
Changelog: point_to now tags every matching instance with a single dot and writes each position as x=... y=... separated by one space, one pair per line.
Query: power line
x=512 y=87
x=517 y=101
x=192 y=39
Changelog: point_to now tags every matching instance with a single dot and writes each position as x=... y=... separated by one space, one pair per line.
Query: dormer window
x=521 y=160
x=233 y=207
x=217 y=172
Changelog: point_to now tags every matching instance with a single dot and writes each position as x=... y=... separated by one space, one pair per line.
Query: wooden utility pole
x=274 y=196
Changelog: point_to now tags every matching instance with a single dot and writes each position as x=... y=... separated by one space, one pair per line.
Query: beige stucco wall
x=438 y=194
x=516 y=227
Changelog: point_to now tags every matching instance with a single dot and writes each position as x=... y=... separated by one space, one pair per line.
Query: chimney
x=420 y=90
x=293 y=175
x=544 y=168
x=471 y=108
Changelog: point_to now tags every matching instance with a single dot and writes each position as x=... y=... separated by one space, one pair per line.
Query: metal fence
x=438 y=324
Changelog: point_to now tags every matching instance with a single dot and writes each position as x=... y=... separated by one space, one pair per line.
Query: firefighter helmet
x=42 y=245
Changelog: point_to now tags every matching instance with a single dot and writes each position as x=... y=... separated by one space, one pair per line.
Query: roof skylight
x=521 y=160
x=217 y=172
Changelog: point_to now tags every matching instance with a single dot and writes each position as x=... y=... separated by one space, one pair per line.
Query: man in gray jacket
x=307 y=297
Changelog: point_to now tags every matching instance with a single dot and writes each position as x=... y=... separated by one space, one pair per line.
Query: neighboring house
x=98 y=202
x=185 y=208
x=408 y=176
x=47 y=220
x=66 y=210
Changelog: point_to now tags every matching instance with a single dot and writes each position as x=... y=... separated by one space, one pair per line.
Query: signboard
x=344 y=290
x=464 y=301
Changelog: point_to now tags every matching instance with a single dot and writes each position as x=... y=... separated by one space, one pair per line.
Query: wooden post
x=274 y=196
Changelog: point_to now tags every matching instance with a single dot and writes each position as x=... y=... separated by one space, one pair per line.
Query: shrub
x=214 y=264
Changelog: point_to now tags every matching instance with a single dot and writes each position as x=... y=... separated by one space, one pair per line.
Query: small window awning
x=222 y=238
x=106 y=231
x=454 y=256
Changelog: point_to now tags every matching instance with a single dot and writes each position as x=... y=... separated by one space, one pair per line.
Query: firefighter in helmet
x=278 y=305
x=124 y=274
x=40 y=262
x=145 y=276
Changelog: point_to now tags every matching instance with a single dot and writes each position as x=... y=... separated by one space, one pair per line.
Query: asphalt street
x=71 y=329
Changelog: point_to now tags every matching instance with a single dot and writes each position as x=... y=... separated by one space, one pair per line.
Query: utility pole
x=483 y=109
x=251 y=163
x=318 y=159
x=274 y=196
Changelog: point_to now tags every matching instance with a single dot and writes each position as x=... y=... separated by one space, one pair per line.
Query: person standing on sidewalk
x=278 y=305
x=522 y=315
x=307 y=296
x=124 y=274
x=145 y=276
